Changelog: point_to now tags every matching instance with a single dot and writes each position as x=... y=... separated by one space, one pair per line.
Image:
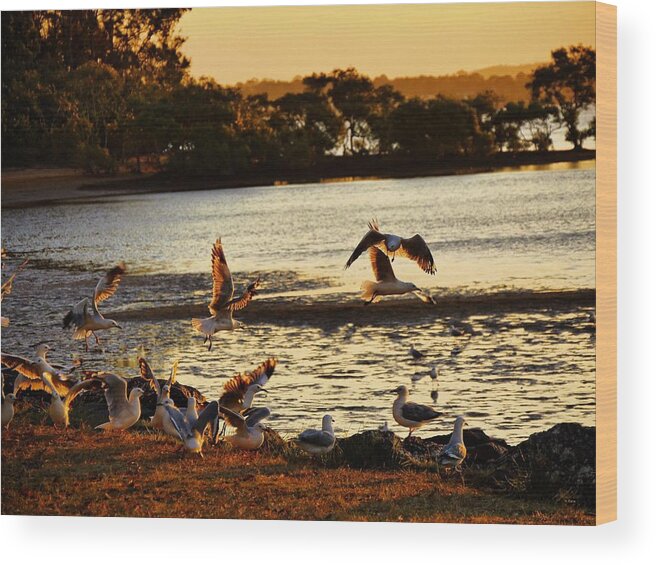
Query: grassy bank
x=138 y=473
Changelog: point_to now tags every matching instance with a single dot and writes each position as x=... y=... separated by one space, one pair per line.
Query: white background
x=100 y=540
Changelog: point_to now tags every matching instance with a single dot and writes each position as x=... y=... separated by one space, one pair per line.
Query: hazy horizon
x=238 y=44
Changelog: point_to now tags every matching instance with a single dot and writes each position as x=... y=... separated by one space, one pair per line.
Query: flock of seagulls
x=193 y=425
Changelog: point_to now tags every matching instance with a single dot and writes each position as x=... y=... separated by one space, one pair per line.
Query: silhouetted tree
x=568 y=83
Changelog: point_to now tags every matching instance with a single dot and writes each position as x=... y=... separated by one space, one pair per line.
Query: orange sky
x=236 y=44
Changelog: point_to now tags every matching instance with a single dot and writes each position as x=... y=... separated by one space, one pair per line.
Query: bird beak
x=119 y=326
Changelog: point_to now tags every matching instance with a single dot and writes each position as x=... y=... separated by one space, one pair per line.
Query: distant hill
x=507 y=81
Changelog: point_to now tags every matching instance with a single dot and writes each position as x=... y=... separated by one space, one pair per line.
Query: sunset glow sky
x=236 y=44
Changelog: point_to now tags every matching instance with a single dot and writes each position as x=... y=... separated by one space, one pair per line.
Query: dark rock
x=373 y=450
x=559 y=463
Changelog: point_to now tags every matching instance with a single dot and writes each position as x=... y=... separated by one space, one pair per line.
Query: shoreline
x=37 y=187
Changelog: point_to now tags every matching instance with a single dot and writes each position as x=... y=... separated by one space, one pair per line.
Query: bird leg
x=209 y=347
x=86 y=341
x=373 y=297
x=205 y=340
x=410 y=433
x=96 y=337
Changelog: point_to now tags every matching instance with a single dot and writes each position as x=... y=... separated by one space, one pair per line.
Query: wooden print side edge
x=606 y=263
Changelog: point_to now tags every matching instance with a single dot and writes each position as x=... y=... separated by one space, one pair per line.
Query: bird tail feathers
x=205 y=326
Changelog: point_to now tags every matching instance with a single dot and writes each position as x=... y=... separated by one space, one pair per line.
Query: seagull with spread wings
x=60 y=405
x=192 y=433
x=250 y=429
x=124 y=411
x=386 y=283
x=409 y=414
x=163 y=391
x=223 y=303
x=7 y=287
x=62 y=378
x=240 y=390
x=85 y=316
x=414 y=248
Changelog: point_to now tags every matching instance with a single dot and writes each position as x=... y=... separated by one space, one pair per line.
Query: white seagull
x=223 y=303
x=59 y=407
x=163 y=391
x=87 y=321
x=8 y=401
x=62 y=379
x=124 y=411
x=453 y=453
x=250 y=429
x=414 y=248
x=386 y=283
x=409 y=414
x=192 y=434
x=318 y=442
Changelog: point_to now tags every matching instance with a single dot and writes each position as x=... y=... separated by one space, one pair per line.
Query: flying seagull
x=386 y=283
x=163 y=391
x=250 y=429
x=60 y=406
x=223 y=303
x=87 y=321
x=192 y=434
x=318 y=442
x=124 y=411
x=409 y=414
x=414 y=248
x=62 y=380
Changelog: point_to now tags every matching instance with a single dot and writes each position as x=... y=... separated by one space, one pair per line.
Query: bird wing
x=108 y=284
x=319 y=438
x=223 y=288
x=415 y=248
x=256 y=415
x=8 y=285
x=371 y=238
x=116 y=392
x=78 y=315
x=22 y=365
x=174 y=371
x=47 y=379
x=233 y=418
x=179 y=421
x=235 y=388
x=76 y=389
x=380 y=265
x=418 y=412
x=456 y=451
x=209 y=415
x=147 y=374
x=241 y=302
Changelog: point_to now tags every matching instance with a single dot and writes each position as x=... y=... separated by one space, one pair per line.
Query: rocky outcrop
x=559 y=463
x=373 y=450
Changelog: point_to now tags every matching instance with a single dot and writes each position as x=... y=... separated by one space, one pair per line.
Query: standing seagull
x=61 y=378
x=409 y=414
x=319 y=442
x=192 y=434
x=124 y=411
x=386 y=283
x=414 y=248
x=59 y=407
x=163 y=391
x=250 y=429
x=454 y=452
x=86 y=322
x=416 y=354
x=223 y=303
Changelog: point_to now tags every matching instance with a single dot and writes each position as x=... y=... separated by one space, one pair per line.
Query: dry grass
x=87 y=473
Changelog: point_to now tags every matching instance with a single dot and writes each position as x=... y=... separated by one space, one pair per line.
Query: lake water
x=519 y=232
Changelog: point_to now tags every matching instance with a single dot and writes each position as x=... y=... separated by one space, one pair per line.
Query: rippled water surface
x=528 y=367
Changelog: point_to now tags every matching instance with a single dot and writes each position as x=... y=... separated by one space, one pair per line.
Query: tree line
x=109 y=89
